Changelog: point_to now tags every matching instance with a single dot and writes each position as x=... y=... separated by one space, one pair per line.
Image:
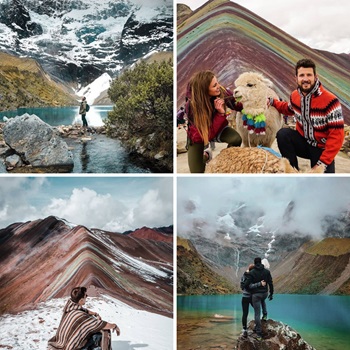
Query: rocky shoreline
x=139 y=156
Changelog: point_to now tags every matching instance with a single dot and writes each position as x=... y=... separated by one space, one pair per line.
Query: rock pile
x=276 y=336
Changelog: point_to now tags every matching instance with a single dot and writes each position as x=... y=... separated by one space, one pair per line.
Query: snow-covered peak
x=93 y=90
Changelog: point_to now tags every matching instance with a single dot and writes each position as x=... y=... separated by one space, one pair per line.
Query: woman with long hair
x=206 y=108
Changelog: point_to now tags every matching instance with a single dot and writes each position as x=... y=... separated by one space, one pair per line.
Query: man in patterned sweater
x=319 y=133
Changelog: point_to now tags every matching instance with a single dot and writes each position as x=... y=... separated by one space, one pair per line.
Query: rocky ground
x=342 y=160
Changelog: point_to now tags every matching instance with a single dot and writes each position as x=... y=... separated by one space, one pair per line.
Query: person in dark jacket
x=247 y=297
x=259 y=294
x=82 y=112
x=206 y=109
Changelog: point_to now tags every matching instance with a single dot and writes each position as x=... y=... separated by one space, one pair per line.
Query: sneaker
x=264 y=318
x=245 y=333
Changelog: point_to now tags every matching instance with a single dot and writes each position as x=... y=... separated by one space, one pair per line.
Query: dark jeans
x=83 y=117
x=258 y=299
x=292 y=145
x=196 y=161
x=245 y=308
x=93 y=342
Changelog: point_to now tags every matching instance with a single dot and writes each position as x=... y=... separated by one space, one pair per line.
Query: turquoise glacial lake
x=322 y=321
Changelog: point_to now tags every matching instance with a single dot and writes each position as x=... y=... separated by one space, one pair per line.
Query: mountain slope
x=77 y=41
x=317 y=267
x=44 y=259
x=194 y=276
x=24 y=83
x=229 y=40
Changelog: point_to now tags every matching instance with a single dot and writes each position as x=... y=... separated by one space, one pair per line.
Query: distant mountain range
x=76 y=42
x=300 y=262
x=229 y=40
x=46 y=258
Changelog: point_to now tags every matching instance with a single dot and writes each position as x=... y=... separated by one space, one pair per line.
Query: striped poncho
x=75 y=328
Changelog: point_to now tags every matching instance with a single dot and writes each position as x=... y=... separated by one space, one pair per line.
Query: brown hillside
x=316 y=268
x=330 y=246
x=194 y=276
x=23 y=83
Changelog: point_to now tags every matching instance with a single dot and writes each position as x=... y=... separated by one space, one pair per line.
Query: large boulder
x=37 y=144
x=276 y=336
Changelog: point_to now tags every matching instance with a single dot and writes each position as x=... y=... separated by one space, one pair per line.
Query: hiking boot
x=264 y=318
x=208 y=154
x=245 y=333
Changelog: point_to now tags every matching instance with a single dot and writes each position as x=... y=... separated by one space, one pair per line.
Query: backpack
x=87 y=108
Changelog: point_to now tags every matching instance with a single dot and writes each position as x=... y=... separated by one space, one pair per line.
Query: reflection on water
x=63 y=115
x=323 y=321
x=102 y=155
x=98 y=155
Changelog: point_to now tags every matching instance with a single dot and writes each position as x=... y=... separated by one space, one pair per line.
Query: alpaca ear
x=267 y=82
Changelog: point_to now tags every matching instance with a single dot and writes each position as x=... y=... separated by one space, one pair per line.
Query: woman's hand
x=263 y=283
x=219 y=105
x=116 y=329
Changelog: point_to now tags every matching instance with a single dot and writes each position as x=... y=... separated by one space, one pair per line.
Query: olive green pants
x=196 y=160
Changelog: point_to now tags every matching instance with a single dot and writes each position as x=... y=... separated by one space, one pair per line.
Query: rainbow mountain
x=229 y=39
x=44 y=259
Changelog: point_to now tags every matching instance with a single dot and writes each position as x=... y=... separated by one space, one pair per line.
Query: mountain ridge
x=46 y=258
x=246 y=42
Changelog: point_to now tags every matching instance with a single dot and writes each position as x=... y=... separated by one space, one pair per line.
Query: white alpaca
x=252 y=90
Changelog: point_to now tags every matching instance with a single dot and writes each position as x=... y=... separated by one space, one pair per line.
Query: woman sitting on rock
x=206 y=110
x=80 y=328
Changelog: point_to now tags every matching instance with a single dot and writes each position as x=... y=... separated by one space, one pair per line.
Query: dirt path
x=342 y=161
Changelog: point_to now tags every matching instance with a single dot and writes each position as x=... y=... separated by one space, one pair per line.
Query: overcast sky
x=321 y=24
x=111 y=203
x=314 y=197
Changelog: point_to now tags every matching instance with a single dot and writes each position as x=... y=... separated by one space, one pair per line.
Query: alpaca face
x=251 y=90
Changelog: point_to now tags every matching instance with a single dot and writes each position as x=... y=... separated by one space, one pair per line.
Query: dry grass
x=330 y=246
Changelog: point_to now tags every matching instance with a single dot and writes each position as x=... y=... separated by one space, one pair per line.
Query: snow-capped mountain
x=81 y=40
x=245 y=231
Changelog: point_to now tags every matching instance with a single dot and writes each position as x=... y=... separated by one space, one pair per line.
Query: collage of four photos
x=174 y=175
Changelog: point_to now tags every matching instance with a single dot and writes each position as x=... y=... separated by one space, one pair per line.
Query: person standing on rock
x=259 y=294
x=79 y=328
x=82 y=111
x=247 y=298
x=319 y=133
x=206 y=106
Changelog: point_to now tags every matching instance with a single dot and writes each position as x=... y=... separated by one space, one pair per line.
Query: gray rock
x=276 y=336
x=13 y=161
x=37 y=143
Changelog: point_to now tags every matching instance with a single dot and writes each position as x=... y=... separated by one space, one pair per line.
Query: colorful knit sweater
x=319 y=119
x=75 y=328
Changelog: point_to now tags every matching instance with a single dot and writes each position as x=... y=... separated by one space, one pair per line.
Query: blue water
x=323 y=321
x=63 y=115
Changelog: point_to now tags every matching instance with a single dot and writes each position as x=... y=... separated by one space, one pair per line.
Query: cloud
x=319 y=24
x=213 y=197
x=114 y=204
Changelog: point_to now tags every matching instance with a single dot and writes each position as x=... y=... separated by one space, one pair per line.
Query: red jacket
x=319 y=119
x=218 y=122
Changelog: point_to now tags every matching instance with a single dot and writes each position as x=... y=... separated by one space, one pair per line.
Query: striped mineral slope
x=45 y=259
x=229 y=40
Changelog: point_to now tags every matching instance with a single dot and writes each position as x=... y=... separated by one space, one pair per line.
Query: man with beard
x=319 y=133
